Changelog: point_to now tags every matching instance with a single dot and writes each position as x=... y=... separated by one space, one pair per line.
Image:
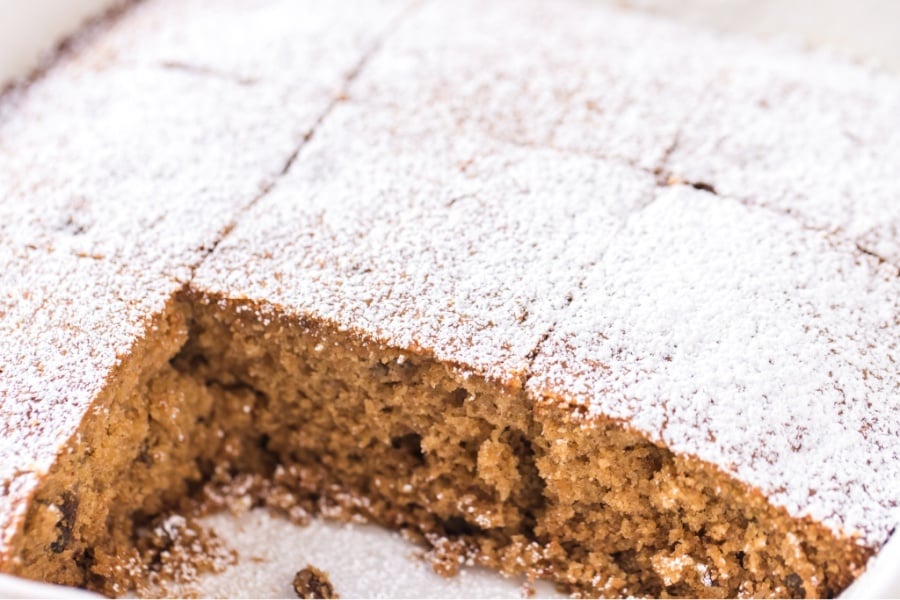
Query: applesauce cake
x=562 y=290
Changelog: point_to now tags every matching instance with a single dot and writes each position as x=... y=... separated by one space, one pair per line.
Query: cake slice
x=761 y=346
x=508 y=278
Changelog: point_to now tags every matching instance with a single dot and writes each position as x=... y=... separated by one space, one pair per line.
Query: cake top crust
x=395 y=168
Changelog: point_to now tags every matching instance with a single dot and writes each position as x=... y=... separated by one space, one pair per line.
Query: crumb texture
x=310 y=582
x=346 y=427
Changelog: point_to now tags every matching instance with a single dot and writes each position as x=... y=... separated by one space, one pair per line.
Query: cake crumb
x=311 y=582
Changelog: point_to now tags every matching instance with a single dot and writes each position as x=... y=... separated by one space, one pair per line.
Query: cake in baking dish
x=569 y=291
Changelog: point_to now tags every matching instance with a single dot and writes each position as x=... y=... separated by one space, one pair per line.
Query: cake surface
x=513 y=251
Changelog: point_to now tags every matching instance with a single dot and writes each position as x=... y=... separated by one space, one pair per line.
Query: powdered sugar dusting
x=814 y=140
x=734 y=335
x=458 y=245
x=271 y=42
x=570 y=76
x=808 y=134
x=118 y=175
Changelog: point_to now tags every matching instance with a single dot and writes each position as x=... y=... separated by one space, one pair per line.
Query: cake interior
x=333 y=423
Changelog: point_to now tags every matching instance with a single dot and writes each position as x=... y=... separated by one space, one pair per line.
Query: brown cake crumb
x=310 y=582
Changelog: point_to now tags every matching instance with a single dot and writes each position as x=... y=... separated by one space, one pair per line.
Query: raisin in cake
x=576 y=292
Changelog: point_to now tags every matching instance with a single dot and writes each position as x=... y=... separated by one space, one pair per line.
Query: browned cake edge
x=342 y=424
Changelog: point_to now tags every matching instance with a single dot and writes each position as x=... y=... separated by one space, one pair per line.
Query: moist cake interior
x=338 y=423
